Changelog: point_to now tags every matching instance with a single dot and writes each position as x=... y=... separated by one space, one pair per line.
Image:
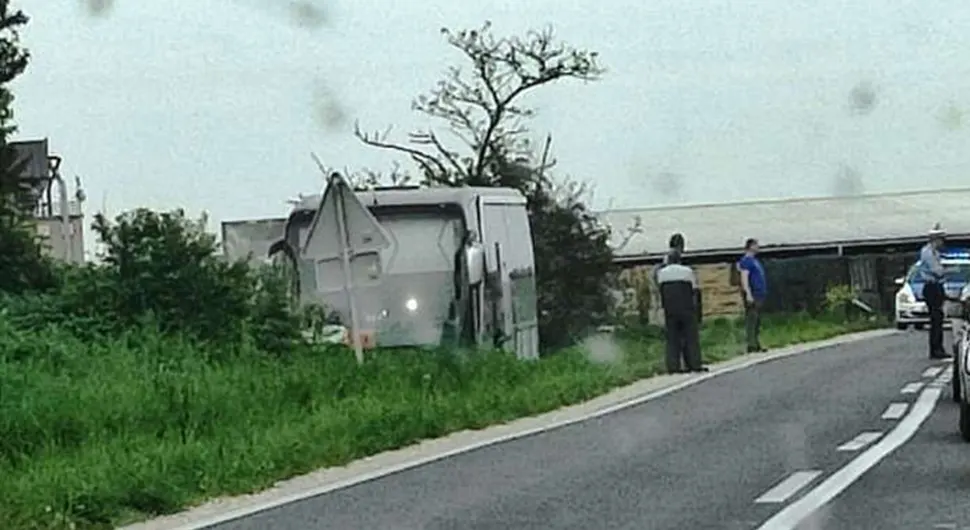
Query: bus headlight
x=411 y=305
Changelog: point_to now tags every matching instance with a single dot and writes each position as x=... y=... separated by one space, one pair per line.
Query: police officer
x=930 y=271
x=680 y=296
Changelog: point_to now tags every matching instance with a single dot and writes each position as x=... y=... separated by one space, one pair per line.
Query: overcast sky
x=216 y=104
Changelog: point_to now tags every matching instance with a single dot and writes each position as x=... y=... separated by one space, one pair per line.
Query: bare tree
x=480 y=104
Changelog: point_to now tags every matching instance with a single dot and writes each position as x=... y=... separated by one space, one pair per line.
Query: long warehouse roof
x=790 y=223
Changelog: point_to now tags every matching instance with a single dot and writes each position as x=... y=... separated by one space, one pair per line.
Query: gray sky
x=216 y=104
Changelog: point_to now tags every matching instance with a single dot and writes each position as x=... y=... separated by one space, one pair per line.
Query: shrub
x=162 y=269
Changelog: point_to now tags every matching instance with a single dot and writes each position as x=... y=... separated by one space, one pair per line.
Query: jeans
x=683 y=342
x=935 y=297
x=752 y=324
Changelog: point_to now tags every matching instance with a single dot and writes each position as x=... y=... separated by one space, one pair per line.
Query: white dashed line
x=932 y=371
x=912 y=388
x=895 y=411
x=788 y=487
x=860 y=441
x=797 y=512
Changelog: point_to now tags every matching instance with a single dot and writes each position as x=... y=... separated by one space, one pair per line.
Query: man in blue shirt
x=754 y=288
x=930 y=270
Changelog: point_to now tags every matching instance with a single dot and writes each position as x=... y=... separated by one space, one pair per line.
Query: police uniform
x=681 y=300
x=930 y=271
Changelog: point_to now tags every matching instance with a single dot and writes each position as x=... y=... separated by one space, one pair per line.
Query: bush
x=163 y=269
x=573 y=262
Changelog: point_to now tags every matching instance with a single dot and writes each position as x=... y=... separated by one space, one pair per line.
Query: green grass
x=99 y=433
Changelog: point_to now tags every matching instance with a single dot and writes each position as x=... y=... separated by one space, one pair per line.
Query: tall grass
x=97 y=432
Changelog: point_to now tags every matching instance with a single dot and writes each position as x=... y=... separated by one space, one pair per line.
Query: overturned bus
x=458 y=268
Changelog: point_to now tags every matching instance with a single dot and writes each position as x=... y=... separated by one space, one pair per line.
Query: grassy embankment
x=100 y=431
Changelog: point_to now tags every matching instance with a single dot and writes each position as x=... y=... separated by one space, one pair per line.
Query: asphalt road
x=754 y=449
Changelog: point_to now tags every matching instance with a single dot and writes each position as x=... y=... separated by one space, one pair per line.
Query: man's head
x=676 y=241
x=937 y=236
x=751 y=246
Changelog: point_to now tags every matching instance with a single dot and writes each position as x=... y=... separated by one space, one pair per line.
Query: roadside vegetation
x=163 y=376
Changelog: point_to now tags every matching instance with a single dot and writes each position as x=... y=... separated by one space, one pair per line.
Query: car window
x=957 y=272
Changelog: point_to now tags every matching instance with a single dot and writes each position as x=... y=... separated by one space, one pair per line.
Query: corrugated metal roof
x=790 y=223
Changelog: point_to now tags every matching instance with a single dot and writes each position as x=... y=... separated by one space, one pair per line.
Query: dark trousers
x=683 y=342
x=752 y=324
x=935 y=297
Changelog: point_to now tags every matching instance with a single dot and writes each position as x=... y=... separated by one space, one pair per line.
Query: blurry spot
x=862 y=98
x=847 y=182
x=630 y=437
x=307 y=14
x=603 y=348
x=97 y=8
x=328 y=113
x=951 y=117
x=668 y=184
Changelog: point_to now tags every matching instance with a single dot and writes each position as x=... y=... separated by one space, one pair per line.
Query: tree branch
x=428 y=163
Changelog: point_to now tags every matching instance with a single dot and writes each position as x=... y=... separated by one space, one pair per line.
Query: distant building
x=58 y=212
x=808 y=244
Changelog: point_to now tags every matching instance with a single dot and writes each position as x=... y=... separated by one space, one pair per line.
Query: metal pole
x=345 y=251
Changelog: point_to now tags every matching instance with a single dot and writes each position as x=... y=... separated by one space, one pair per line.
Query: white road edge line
x=932 y=371
x=912 y=388
x=782 y=491
x=895 y=411
x=860 y=441
x=797 y=512
x=202 y=521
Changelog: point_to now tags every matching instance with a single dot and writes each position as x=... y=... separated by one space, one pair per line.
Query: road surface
x=853 y=437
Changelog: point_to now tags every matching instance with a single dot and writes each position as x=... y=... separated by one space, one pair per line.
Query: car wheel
x=965 y=422
x=900 y=326
x=955 y=382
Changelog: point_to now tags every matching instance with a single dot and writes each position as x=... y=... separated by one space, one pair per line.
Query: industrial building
x=808 y=244
x=58 y=211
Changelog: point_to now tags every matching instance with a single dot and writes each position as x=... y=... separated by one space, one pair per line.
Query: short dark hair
x=674 y=257
x=676 y=241
x=750 y=242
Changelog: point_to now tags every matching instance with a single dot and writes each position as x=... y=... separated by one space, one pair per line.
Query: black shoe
x=701 y=369
x=940 y=355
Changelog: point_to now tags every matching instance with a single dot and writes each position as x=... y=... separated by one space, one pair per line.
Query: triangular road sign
x=363 y=232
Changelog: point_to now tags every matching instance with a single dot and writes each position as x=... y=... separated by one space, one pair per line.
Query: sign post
x=337 y=184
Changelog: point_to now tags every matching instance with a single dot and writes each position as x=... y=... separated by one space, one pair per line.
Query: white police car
x=910 y=309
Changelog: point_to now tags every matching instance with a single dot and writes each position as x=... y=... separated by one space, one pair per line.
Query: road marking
x=788 y=487
x=932 y=371
x=895 y=411
x=860 y=441
x=912 y=388
x=795 y=513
